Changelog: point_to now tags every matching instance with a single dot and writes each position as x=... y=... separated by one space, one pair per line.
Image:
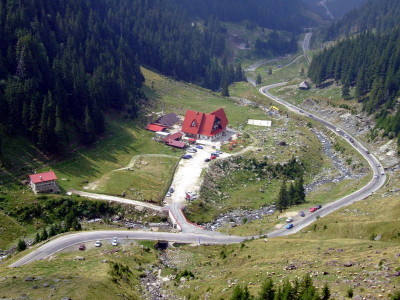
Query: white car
x=168 y=194
x=114 y=242
x=97 y=243
x=288 y=220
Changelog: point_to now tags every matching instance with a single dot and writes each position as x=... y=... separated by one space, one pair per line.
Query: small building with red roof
x=44 y=182
x=155 y=127
x=205 y=126
x=173 y=140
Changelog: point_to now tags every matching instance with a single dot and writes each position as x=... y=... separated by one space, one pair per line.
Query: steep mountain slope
x=370 y=63
x=333 y=9
x=62 y=63
x=380 y=15
x=286 y=15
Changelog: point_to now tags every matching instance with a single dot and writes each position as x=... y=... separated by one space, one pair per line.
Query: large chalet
x=205 y=126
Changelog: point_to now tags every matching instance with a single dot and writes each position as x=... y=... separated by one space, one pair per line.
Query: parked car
x=199 y=147
x=97 y=243
x=288 y=220
x=114 y=242
x=82 y=247
x=312 y=209
x=168 y=194
x=219 y=152
x=191 y=150
x=215 y=154
x=319 y=206
x=171 y=190
x=213 y=157
x=187 y=156
x=207 y=160
x=191 y=196
x=290 y=225
x=302 y=214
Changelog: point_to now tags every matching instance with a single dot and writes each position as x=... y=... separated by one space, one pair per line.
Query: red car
x=312 y=209
x=82 y=247
x=213 y=157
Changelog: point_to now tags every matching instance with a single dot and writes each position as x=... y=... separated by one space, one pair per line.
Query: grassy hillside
x=85 y=275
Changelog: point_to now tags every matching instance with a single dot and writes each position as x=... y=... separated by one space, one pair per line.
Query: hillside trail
x=100 y=182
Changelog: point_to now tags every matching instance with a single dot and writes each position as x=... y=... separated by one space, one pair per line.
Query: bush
x=21 y=246
x=350 y=293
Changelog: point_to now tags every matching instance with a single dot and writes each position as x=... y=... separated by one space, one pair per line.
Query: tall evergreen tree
x=267 y=291
x=282 y=201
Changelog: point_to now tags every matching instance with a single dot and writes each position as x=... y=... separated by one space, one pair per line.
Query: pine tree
x=282 y=201
x=300 y=194
x=44 y=236
x=37 y=238
x=292 y=195
x=326 y=293
x=88 y=129
x=240 y=293
x=302 y=72
x=267 y=291
x=21 y=246
x=258 y=79
x=346 y=90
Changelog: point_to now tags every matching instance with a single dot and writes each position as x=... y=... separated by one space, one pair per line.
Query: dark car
x=199 y=147
x=215 y=154
x=302 y=214
x=187 y=156
x=319 y=206
x=290 y=225
x=82 y=247
x=171 y=190
x=207 y=160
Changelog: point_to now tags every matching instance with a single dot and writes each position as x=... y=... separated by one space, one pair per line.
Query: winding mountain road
x=377 y=181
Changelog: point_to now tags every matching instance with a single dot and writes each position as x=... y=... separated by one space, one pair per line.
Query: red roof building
x=174 y=140
x=44 y=182
x=155 y=127
x=176 y=144
x=205 y=126
x=175 y=136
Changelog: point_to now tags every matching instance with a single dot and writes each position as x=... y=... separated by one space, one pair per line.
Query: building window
x=194 y=123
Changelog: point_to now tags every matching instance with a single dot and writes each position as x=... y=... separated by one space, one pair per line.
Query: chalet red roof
x=174 y=136
x=205 y=124
x=155 y=127
x=43 y=177
x=175 y=143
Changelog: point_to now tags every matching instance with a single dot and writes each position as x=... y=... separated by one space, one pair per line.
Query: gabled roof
x=174 y=136
x=200 y=123
x=155 y=127
x=175 y=143
x=43 y=177
x=304 y=85
x=168 y=120
x=192 y=122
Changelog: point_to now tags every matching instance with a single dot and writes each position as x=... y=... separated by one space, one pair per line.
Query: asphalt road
x=66 y=241
x=378 y=180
